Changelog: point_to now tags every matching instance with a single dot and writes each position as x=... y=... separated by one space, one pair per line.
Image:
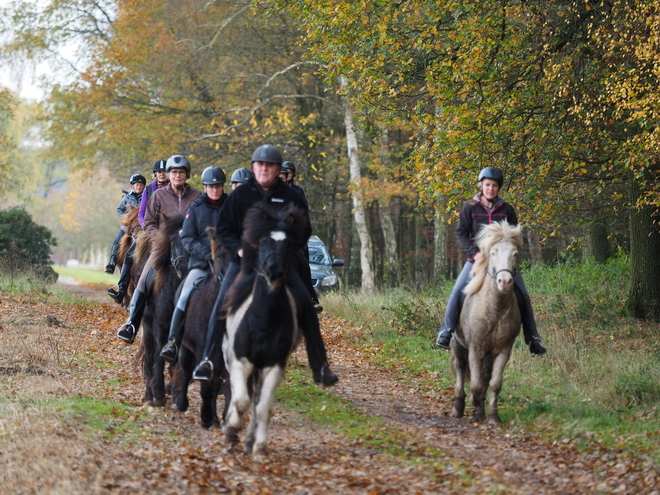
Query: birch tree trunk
x=440 y=265
x=366 y=257
x=386 y=222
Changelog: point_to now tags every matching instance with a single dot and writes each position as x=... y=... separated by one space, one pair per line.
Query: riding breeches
x=142 y=283
x=194 y=276
x=456 y=298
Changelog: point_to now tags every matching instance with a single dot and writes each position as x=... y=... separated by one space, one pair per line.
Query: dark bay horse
x=131 y=234
x=198 y=313
x=171 y=266
x=489 y=322
x=262 y=321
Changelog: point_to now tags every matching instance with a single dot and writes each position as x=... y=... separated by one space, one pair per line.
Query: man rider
x=266 y=187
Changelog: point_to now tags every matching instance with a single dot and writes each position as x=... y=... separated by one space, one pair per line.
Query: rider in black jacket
x=485 y=208
x=266 y=187
x=204 y=212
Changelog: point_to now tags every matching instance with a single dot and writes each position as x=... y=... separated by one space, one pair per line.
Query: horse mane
x=169 y=227
x=142 y=245
x=218 y=252
x=259 y=221
x=130 y=216
x=488 y=236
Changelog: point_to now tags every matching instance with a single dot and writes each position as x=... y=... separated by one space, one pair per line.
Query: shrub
x=24 y=245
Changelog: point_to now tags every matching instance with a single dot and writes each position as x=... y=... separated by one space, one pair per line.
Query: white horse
x=489 y=322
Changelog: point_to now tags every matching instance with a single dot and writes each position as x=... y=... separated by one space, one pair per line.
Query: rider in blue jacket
x=485 y=208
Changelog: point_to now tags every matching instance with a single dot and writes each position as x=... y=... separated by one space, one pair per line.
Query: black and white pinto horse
x=262 y=322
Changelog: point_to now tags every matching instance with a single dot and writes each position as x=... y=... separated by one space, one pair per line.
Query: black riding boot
x=112 y=264
x=444 y=337
x=530 y=332
x=128 y=330
x=171 y=349
x=124 y=280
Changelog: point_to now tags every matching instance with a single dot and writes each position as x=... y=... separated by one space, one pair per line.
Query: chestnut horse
x=489 y=322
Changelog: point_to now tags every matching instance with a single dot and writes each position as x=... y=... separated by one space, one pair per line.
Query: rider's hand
x=476 y=256
x=240 y=253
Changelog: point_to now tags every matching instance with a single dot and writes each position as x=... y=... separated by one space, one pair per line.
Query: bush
x=24 y=245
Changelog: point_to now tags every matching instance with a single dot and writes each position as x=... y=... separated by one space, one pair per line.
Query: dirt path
x=175 y=455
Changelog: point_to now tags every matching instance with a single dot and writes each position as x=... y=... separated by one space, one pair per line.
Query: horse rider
x=130 y=198
x=239 y=177
x=485 y=208
x=177 y=196
x=202 y=213
x=160 y=180
x=265 y=187
x=287 y=174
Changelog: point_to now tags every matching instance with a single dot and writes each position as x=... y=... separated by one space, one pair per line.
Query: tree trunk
x=597 y=245
x=386 y=222
x=644 y=296
x=535 y=252
x=440 y=266
x=366 y=261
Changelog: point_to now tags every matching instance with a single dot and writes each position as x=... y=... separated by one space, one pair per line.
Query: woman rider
x=176 y=197
x=265 y=187
x=203 y=213
x=160 y=180
x=486 y=207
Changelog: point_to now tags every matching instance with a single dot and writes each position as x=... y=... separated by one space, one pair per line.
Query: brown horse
x=489 y=322
x=130 y=238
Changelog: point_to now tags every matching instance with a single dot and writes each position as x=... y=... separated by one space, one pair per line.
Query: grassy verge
x=598 y=386
x=87 y=275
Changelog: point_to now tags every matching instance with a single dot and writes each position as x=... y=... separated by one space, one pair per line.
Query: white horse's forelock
x=278 y=235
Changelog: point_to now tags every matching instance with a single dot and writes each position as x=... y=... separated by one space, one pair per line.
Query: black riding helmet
x=289 y=166
x=160 y=166
x=242 y=175
x=267 y=153
x=213 y=175
x=491 y=173
x=138 y=178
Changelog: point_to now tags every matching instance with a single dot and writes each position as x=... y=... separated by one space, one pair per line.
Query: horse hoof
x=210 y=425
x=260 y=455
x=455 y=413
x=479 y=418
x=148 y=402
x=494 y=420
x=159 y=402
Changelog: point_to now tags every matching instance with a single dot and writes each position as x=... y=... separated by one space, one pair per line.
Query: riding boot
x=124 y=280
x=204 y=370
x=128 y=330
x=112 y=264
x=171 y=349
x=530 y=332
x=444 y=337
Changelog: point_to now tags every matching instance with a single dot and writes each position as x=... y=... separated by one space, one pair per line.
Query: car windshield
x=318 y=254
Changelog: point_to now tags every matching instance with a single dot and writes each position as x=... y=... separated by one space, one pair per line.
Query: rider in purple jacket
x=485 y=208
x=161 y=180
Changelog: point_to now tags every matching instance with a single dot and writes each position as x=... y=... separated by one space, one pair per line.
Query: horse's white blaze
x=278 y=235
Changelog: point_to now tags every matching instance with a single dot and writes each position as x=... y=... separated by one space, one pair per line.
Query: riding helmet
x=160 y=165
x=242 y=175
x=289 y=166
x=213 y=175
x=267 y=153
x=138 y=178
x=178 y=161
x=493 y=174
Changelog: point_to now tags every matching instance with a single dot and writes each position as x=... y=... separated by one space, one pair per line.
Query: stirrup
x=127 y=333
x=170 y=352
x=204 y=370
x=444 y=339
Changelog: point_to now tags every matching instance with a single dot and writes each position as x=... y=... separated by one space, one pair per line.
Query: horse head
x=270 y=239
x=130 y=220
x=499 y=244
x=169 y=250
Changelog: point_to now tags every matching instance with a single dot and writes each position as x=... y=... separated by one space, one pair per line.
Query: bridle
x=175 y=258
x=496 y=273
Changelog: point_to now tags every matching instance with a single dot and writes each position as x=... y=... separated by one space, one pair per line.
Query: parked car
x=324 y=278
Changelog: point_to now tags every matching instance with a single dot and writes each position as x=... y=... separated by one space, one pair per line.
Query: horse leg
x=179 y=388
x=239 y=374
x=271 y=378
x=477 y=388
x=159 y=380
x=459 y=355
x=496 y=386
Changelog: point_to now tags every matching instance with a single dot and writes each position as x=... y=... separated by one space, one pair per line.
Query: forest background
x=388 y=109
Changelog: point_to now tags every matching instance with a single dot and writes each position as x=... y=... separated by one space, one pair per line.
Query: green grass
x=87 y=275
x=598 y=386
